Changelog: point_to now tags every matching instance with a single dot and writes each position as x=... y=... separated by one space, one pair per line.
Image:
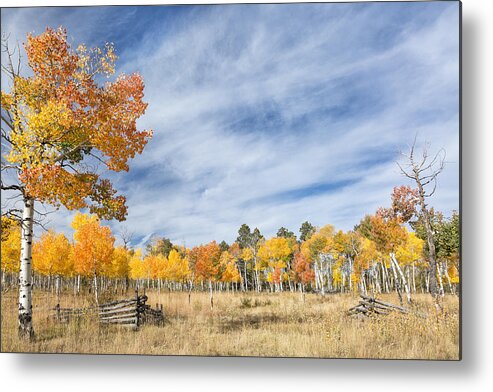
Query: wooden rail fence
x=368 y=306
x=130 y=313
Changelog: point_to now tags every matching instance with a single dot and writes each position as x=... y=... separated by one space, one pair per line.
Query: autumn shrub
x=246 y=302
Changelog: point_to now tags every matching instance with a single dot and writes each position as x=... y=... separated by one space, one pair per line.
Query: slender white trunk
x=440 y=281
x=414 y=278
x=96 y=289
x=190 y=291
x=404 y=281
x=245 y=274
x=408 y=278
x=396 y=279
x=211 y=294
x=57 y=289
x=385 y=277
x=445 y=272
x=350 y=273
x=25 y=276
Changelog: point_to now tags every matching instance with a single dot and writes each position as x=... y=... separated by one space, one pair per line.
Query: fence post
x=137 y=306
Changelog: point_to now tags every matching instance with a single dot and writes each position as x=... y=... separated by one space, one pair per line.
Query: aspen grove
x=381 y=255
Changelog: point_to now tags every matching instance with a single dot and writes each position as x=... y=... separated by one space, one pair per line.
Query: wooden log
x=392 y=306
x=116 y=311
x=367 y=312
x=370 y=299
x=119 y=317
x=360 y=308
x=120 y=321
x=110 y=311
x=118 y=302
x=130 y=311
x=373 y=305
x=118 y=306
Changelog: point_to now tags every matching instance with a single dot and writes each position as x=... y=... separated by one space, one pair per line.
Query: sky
x=272 y=115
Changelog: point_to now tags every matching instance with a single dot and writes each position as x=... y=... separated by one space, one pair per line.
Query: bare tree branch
x=12 y=188
x=126 y=235
x=7 y=122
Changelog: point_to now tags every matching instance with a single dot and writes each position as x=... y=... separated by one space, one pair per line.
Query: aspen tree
x=57 y=120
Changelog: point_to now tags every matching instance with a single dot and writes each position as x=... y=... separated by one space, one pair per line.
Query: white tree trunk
x=96 y=293
x=396 y=279
x=350 y=273
x=385 y=277
x=404 y=281
x=245 y=274
x=440 y=280
x=445 y=272
x=25 y=276
x=190 y=287
x=414 y=278
x=57 y=289
x=211 y=295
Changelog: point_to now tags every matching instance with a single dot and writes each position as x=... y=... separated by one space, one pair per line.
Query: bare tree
x=127 y=236
x=424 y=170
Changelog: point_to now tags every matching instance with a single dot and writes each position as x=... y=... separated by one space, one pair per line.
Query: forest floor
x=264 y=324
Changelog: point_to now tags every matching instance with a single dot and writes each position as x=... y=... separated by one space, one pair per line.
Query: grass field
x=274 y=325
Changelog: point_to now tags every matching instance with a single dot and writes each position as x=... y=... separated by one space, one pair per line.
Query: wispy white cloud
x=273 y=115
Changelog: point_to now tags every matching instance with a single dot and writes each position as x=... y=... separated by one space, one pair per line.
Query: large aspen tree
x=58 y=126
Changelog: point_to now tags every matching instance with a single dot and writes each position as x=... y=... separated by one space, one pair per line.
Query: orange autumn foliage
x=207 y=266
x=304 y=274
x=61 y=119
x=93 y=248
x=52 y=255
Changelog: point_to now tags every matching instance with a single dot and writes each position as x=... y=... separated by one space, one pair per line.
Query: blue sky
x=271 y=115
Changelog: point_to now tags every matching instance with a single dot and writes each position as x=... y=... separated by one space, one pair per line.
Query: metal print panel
x=277 y=180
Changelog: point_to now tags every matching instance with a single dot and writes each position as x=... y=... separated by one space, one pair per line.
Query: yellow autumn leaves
x=92 y=252
x=60 y=121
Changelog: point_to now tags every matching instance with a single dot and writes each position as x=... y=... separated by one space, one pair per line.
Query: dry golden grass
x=275 y=325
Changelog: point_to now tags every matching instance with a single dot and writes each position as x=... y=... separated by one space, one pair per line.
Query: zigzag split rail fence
x=130 y=313
x=369 y=306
